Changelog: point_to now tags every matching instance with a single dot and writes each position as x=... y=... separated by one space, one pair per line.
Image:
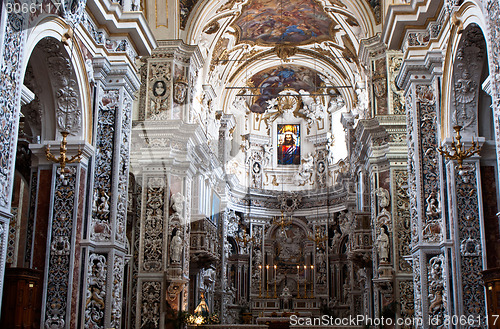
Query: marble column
x=420 y=78
x=65 y=222
x=11 y=59
x=105 y=246
x=468 y=252
x=492 y=12
x=165 y=152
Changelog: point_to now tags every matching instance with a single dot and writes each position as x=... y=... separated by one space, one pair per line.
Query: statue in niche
x=321 y=267
x=329 y=148
x=346 y=292
x=361 y=278
x=383 y=246
x=176 y=247
x=432 y=208
x=177 y=200
x=383 y=197
x=95 y=204
x=103 y=207
x=257 y=256
x=336 y=238
x=90 y=69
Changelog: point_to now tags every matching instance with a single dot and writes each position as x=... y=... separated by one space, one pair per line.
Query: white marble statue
x=103 y=207
x=329 y=148
x=177 y=200
x=176 y=247
x=305 y=170
x=383 y=197
x=383 y=246
x=312 y=106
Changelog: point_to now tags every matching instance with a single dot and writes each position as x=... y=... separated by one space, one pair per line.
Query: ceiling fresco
x=272 y=81
x=185 y=8
x=271 y=22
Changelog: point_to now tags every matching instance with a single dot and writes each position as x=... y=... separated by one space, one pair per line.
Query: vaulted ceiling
x=250 y=43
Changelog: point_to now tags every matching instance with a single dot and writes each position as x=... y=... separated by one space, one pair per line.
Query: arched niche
x=470 y=69
x=288 y=246
x=56 y=75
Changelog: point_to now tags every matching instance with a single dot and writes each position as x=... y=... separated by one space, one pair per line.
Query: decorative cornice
x=422 y=69
x=26 y=95
x=401 y=17
x=209 y=91
x=115 y=74
x=371 y=47
x=258 y=140
x=318 y=140
x=347 y=120
x=116 y=21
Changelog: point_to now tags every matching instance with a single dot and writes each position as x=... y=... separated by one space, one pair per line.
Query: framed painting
x=288 y=144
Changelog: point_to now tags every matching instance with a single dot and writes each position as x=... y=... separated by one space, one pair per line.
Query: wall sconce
x=63 y=159
x=457 y=151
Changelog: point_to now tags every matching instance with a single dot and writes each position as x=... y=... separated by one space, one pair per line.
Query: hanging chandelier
x=457 y=150
x=63 y=160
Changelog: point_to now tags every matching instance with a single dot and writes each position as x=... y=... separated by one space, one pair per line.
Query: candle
x=305 y=272
x=298 y=278
x=267 y=281
x=260 y=281
x=275 y=280
x=312 y=283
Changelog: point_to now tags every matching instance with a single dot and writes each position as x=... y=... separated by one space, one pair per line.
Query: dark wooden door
x=21 y=302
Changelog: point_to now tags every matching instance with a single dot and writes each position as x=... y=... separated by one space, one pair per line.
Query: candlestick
x=267 y=281
x=312 y=281
x=305 y=281
x=260 y=281
x=275 y=279
x=298 y=279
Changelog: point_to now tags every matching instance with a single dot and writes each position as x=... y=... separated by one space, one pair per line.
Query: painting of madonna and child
x=288 y=144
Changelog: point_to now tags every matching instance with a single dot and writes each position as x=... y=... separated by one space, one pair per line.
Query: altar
x=273 y=307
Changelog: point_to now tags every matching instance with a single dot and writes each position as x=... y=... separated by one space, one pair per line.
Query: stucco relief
x=159 y=89
x=467 y=70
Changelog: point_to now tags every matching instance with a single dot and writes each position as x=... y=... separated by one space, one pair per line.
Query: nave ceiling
x=277 y=62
